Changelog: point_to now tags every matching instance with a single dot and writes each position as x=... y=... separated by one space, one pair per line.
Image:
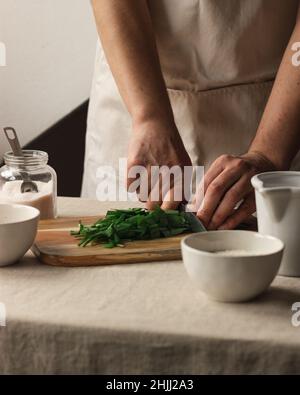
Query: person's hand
x=228 y=195
x=156 y=144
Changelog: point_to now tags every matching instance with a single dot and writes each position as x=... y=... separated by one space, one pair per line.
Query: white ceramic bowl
x=18 y=228
x=235 y=278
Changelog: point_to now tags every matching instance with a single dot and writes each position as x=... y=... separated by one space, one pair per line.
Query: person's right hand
x=156 y=144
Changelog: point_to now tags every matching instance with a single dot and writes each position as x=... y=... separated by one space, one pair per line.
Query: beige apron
x=219 y=59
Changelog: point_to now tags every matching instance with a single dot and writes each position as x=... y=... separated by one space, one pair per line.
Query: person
x=206 y=82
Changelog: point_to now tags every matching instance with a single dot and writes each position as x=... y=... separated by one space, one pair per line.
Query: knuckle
x=217 y=219
x=240 y=164
x=225 y=158
x=234 y=195
x=204 y=215
x=215 y=187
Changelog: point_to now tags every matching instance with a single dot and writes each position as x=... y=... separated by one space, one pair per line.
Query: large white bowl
x=18 y=228
x=232 y=278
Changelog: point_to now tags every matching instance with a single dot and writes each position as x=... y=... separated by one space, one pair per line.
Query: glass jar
x=31 y=167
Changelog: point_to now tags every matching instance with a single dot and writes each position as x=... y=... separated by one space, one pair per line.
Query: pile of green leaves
x=120 y=226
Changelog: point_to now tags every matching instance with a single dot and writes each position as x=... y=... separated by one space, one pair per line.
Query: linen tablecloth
x=138 y=318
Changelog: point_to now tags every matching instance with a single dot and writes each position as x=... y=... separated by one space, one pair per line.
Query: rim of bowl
x=256 y=180
x=218 y=256
x=35 y=213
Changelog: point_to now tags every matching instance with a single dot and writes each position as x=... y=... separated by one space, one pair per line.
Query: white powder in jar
x=43 y=200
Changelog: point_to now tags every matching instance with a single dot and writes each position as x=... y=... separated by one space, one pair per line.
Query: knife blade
x=196 y=224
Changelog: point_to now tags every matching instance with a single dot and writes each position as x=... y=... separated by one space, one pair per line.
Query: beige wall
x=50 y=47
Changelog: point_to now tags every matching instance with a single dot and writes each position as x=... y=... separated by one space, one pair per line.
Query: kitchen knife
x=196 y=224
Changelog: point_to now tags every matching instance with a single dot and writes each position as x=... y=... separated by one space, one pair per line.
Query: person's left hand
x=227 y=184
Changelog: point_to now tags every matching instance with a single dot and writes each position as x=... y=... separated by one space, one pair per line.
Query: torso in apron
x=219 y=59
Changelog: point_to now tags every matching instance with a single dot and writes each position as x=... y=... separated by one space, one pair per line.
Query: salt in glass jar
x=34 y=166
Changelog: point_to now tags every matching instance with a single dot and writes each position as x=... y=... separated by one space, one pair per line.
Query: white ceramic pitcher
x=277 y=197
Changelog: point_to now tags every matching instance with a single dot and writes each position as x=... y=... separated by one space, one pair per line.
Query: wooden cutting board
x=55 y=246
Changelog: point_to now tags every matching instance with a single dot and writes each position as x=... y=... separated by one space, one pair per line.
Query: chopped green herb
x=119 y=226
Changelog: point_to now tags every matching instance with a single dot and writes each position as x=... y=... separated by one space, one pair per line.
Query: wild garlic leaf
x=119 y=226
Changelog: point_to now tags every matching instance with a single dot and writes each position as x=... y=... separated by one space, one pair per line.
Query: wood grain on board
x=55 y=246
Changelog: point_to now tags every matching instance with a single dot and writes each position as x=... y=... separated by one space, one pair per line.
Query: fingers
x=230 y=200
x=246 y=209
x=213 y=172
x=169 y=202
x=139 y=181
x=168 y=189
x=155 y=197
x=131 y=177
x=168 y=199
x=215 y=169
x=215 y=192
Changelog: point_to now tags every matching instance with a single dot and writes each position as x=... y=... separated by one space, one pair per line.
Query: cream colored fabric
x=138 y=318
x=218 y=59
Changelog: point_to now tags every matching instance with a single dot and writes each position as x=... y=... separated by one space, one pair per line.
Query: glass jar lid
x=30 y=159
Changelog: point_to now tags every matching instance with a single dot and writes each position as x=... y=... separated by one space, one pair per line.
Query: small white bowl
x=236 y=278
x=18 y=228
